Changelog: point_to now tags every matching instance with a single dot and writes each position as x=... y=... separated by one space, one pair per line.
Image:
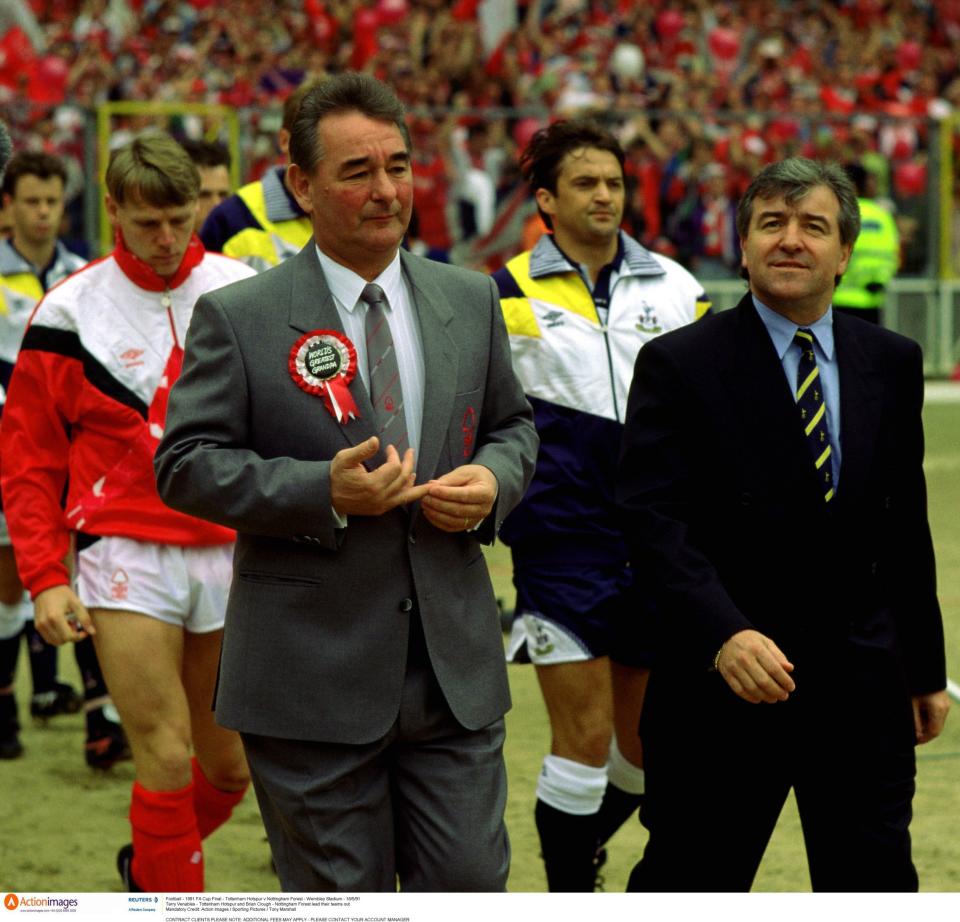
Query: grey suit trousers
x=421 y=808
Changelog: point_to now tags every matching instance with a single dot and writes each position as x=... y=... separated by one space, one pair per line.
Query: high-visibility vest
x=874 y=261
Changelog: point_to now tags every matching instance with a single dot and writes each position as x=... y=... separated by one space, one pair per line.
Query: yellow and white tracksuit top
x=261 y=224
x=576 y=370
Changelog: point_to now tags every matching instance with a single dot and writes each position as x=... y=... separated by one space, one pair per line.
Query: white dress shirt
x=345 y=286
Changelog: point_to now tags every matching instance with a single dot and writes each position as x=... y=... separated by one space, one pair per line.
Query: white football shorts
x=185 y=586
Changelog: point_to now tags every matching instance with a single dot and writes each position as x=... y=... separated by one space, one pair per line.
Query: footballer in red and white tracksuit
x=86 y=408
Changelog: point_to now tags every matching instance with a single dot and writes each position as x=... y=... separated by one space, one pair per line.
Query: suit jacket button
x=413 y=539
x=406 y=605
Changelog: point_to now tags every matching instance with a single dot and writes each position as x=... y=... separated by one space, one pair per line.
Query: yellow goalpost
x=219 y=123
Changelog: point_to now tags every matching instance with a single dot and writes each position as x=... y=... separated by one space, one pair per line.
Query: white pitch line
x=942 y=392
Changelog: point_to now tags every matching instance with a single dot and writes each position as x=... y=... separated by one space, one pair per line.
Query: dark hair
x=207 y=154
x=32 y=163
x=291 y=105
x=542 y=158
x=793 y=179
x=348 y=92
x=155 y=169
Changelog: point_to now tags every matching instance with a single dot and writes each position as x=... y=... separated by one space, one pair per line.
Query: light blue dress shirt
x=782 y=332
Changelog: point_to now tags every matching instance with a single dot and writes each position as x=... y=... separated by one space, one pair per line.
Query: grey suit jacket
x=318 y=618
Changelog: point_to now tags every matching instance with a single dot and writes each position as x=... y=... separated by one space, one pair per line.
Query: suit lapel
x=312 y=308
x=860 y=406
x=440 y=361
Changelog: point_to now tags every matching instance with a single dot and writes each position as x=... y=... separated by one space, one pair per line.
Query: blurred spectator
x=432 y=177
x=477 y=163
x=262 y=223
x=711 y=245
x=16 y=14
x=851 y=80
x=212 y=161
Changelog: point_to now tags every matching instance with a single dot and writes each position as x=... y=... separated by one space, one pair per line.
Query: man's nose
x=383 y=187
x=790 y=237
x=165 y=235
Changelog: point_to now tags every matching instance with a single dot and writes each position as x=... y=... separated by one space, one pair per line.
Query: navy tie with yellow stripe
x=813 y=411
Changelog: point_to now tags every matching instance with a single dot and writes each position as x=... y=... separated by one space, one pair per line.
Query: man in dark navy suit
x=772 y=484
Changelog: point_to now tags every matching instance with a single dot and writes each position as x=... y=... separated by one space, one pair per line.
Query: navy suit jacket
x=728 y=527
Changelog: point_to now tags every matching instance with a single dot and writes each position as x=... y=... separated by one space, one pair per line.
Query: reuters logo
x=11 y=901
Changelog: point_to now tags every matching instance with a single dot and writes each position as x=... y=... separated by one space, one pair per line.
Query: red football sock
x=167 y=853
x=212 y=805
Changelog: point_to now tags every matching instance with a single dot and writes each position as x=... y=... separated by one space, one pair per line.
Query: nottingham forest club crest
x=648 y=322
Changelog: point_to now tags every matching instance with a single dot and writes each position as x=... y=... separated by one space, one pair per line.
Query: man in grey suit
x=353 y=413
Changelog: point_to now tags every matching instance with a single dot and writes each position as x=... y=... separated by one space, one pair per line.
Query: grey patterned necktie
x=384 y=373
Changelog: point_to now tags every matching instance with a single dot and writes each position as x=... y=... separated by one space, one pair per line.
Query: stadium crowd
x=701 y=94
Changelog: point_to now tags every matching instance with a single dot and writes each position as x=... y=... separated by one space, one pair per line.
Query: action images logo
x=12 y=901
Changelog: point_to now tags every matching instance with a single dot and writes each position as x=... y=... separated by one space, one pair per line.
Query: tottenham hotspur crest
x=647 y=321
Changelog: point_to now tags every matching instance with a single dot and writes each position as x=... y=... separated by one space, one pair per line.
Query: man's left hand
x=929 y=715
x=458 y=501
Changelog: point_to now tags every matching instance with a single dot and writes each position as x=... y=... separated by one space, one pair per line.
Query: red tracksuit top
x=87 y=404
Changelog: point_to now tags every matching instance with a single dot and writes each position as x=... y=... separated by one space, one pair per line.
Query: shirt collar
x=144 y=276
x=277 y=198
x=614 y=263
x=548 y=259
x=782 y=330
x=345 y=285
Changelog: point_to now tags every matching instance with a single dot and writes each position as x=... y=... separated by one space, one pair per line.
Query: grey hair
x=347 y=92
x=793 y=179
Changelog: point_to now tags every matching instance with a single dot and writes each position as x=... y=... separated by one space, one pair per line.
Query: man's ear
x=845 y=251
x=111 y=206
x=544 y=198
x=299 y=183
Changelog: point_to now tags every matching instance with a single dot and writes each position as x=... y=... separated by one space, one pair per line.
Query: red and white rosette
x=323 y=363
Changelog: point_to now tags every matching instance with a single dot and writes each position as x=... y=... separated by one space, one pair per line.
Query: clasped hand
x=356 y=491
x=457 y=501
